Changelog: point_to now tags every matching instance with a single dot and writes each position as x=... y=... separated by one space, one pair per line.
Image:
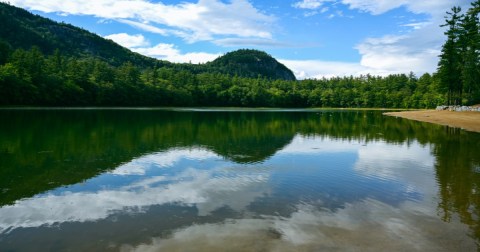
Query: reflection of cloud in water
x=207 y=190
x=410 y=164
x=162 y=159
x=385 y=161
x=312 y=145
x=365 y=226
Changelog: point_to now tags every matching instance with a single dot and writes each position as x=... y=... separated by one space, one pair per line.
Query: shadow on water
x=45 y=149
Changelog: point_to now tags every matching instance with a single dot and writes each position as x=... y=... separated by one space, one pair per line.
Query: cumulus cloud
x=317 y=69
x=379 y=56
x=192 y=21
x=138 y=43
x=171 y=53
x=416 y=50
x=400 y=54
x=128 y=41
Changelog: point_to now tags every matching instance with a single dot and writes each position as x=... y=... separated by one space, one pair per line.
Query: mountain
x=23 y=30
x=252 y=63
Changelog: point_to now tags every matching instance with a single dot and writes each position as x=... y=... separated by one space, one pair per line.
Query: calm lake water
x=211 y=180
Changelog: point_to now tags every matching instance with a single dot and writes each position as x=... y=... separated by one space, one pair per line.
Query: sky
x=314 y=38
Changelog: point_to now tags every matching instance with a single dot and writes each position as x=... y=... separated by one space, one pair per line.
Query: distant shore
x=467 y=120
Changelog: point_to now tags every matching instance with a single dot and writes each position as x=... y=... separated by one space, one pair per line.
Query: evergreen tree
x=450 y=64
x=471 y=54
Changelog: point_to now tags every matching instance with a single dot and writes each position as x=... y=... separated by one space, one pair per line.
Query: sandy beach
x=469 y=121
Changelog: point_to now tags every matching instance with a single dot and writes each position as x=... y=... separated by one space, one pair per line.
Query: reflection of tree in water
x=44 y=149
x=458 y=175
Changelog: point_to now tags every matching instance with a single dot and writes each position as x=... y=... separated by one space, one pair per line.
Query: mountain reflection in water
x=285 y=180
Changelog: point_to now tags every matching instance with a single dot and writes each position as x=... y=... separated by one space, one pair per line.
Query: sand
x=469 y=121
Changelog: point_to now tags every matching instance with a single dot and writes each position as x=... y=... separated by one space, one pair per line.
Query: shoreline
x=467 y=120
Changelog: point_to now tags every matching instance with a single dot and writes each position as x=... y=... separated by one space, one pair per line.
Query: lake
x=235 y=180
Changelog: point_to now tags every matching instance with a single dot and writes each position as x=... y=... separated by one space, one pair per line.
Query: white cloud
x=171 y=53
x=309 y=4
x=417 y=25
x=128 y=41
x=193 y=21
x=377 y=7
x=236 y=42
x=144 y=27
x=416 y=51
x=374 y=6
x=311 y=69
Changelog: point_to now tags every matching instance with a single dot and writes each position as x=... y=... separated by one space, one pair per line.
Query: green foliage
x=44 y=149
x=251 y=63
x=53 y=64
x=459 y=65
x=24 y=30
x=31 y=78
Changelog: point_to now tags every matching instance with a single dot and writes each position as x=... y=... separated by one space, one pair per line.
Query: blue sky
x=314 y=38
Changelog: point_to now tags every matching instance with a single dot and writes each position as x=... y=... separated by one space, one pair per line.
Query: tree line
x=29 y=77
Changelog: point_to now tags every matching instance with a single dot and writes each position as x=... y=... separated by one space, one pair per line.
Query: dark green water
x=210 y=180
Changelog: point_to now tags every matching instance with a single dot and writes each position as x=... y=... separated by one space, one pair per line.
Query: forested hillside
x=23 y=30
x=38 y=70
x=251 y=63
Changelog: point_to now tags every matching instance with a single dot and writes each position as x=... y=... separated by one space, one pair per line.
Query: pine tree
x=450 y=64
x=471 y=54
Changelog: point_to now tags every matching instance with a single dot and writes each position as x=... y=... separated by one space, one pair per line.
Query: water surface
x=236 y=180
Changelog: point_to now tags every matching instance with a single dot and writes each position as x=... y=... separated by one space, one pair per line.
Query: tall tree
x=450 y=64
x=471 y=53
